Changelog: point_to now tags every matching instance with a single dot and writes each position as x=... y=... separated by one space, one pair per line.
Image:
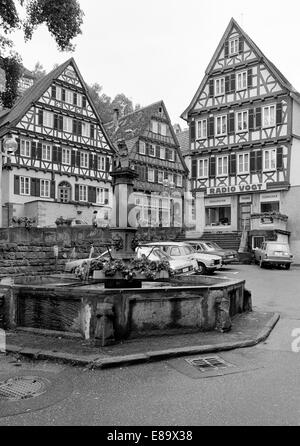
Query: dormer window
x=220 y=86
x=233 y=46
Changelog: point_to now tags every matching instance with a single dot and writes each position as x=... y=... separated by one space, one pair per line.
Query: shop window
x=218 y=216
x=273 y=206
x=257 y=241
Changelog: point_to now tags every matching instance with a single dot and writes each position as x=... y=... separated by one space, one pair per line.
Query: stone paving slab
x=248 y=329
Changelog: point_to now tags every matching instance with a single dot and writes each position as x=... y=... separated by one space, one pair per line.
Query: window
x=162 y=154
x=243 y=163
x=221 y=125
x=272 y=206
x=45 y=188
x=233 y=46
x=142 y=148
x=242 y=121
x=69 y=97
x=84 y=160
x=64 y=192
x=222 y=165
x=163 y=129
x=46 y=152
x=25 y=148
x=101 y=163
x=67 y=124
x=203 y=168
x=100 y=196
x=202 y=129
x=179 y=180
x=53 y=92
x=151 y=175
x=171 y=155
x=241 y=80
x=48 y=119
x=160 y=177
x=269 y=116
x=24 y=186
x=83 y=193
x=66 y=156
x=218 y=216
x=269 y=159
x=154 y=126
x=85 y=129
x=151 y=150
x=171 y=178
x=219 y=86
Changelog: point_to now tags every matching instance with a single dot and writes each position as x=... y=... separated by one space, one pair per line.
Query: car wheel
x=261 y=263
x=287 y=266
x=201 y=268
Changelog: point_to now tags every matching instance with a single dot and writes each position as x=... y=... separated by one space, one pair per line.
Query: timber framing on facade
x=64 y=153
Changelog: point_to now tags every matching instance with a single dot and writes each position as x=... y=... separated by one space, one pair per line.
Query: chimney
x=116 y=117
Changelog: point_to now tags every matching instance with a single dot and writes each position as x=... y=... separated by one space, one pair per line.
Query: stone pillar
x=200 y=212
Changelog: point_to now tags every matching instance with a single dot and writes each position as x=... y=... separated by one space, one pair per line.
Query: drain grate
x=209 y=363
x=23 y=387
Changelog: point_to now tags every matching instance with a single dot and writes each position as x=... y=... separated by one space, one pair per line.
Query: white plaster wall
x=290 y=205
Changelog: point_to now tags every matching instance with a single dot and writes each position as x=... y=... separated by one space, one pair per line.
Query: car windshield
x=213 y=245
x=188 y=250
x=278 y=247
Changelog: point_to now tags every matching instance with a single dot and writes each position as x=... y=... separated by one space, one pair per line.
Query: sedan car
x=273 y=253
x=228 y=256
x=184 y=267
x=207 y=263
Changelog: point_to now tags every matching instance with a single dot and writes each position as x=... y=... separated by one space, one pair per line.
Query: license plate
x=185 y=270
x=278 y=253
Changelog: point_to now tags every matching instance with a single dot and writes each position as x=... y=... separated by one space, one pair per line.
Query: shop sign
x=275 y=196
x=236 y=189
x=218 y=201
x=245 y=199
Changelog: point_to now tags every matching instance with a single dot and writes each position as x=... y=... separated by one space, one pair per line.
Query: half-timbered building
x=63 y=160
x=245 y=144
x=155 y=155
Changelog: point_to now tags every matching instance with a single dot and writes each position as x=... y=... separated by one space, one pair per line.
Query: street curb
x=96 y=362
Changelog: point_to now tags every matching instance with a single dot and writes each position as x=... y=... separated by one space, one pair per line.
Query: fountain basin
x=195 y=303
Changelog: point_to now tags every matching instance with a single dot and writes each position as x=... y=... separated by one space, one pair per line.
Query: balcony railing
x=269 y=221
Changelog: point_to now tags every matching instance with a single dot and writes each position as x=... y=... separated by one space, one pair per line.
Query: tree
x=63 y=19
x=39 y=71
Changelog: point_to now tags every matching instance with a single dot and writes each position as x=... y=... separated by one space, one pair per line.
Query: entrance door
x=244 y=217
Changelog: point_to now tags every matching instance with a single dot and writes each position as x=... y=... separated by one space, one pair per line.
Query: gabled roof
x=184 y=141
x=260 y=55
x=11 y=117
x=133 y=125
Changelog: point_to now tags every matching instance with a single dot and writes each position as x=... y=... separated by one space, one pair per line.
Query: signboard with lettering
x=218 y=201
x=240 y=188
x=245 y=198
x=274 y=196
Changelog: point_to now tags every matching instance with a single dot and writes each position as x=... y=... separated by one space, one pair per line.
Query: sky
x=160 y=49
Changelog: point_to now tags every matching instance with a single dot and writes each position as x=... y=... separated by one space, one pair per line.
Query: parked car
x=179 y=266
x=228 y=256
x=207 y=263
x=71 y=266
x=273 y=253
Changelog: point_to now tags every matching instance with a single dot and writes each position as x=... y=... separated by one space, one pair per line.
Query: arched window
x=64 y=192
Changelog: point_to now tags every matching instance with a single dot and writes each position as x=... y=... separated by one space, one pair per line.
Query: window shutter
x=53 y=92
x=107 y=164
x=157 y=151
x=38 y=187
x=232 y=83
x=106 y=196
x=167 y=153
x=279 y=113
x=259 y=160
x=227 y=84
x=175 y=179
x=251 y=119
x=54 y=154
x=212 y=167
x=60 y=123
x=155 y=176
x=59 y=154
x=279 y=157
x=33 y=150
x=226 y=48
x=39 y=151
x=147 y=149
x=16 y=185
x=92 y=194
x=76 y=192
x=33 y=187
x=92 y=131
x=194 y=169
x=211 y=127
x=250 y=78
x=230 y=123
x=40 y=117
x=75 y=126
x=83 y=102
x=79 y=128
x=91 y=161
x=241 y=44
x=233 y=164
x=17 y=153
x=74 y=98
x=258 y=117
x=252 y=162
x=211 y=88
x=78 y=159
x=52 y=189
x=192 y=131
x=63 y=95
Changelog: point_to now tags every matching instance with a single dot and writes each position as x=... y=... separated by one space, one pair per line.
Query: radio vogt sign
x=238 y=189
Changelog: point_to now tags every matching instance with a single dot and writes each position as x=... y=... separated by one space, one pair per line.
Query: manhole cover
x=22 y=387
x=209 y=363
